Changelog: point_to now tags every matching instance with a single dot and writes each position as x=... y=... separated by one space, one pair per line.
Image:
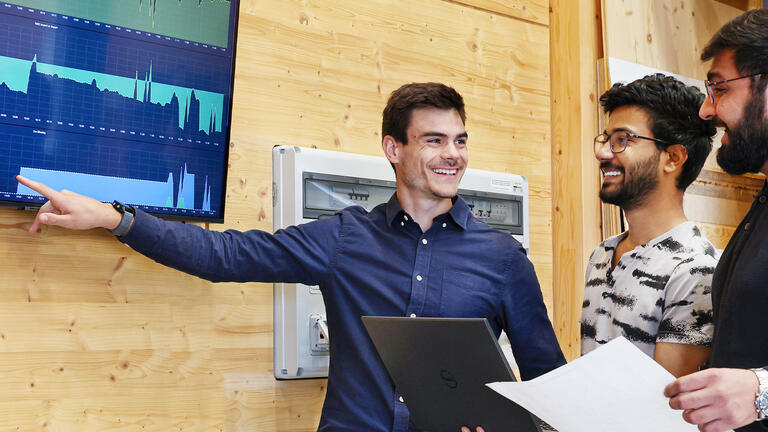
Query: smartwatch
x=127 y=213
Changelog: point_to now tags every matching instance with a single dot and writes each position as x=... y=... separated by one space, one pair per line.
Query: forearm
x=229 y=256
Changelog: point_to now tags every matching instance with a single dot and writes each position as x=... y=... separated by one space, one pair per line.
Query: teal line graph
x=15 y=74
x=204 y=21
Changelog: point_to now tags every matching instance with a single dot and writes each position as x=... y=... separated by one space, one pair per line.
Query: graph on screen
x=118 y=99
x=204 y=21
x=30 y=84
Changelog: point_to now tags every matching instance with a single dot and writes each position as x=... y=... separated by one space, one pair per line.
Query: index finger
x=39 y=187
x=688 y=383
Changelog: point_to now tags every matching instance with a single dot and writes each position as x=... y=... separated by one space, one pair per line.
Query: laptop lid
x=440 y=367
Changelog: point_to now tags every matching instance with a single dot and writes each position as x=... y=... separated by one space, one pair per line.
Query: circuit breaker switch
x=319 y=337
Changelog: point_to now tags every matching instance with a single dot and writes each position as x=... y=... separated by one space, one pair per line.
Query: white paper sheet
x=613 y=388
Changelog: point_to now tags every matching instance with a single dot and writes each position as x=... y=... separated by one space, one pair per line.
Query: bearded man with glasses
x=733 y=392
x=651 y=283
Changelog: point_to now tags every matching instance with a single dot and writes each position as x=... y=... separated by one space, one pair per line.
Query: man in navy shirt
x=420 y=254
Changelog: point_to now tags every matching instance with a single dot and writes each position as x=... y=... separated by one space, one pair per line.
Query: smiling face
x=629 y=176
x=430 y=166
x=741 y=112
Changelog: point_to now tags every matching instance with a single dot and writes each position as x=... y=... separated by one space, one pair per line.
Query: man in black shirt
x=734 y=392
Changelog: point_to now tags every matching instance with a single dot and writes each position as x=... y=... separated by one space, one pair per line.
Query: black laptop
x=440 y=367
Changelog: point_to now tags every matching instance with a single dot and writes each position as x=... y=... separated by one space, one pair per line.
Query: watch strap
x=125 y=221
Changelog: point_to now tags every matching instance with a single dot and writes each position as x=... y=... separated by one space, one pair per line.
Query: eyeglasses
x=619 y=140
x=711 y=92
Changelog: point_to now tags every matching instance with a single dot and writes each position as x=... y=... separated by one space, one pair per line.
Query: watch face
x=762 y=402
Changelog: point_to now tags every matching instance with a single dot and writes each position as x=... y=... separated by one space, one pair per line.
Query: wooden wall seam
x=530 y=11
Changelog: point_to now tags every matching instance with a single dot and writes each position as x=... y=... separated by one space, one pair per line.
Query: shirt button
x=762 y=199
x=413 y=315
x=424 y=241
x=418 y=278
x=402 y=223
x=401 y=399
x=746 y=226
x=445 y=224
x=405 y=217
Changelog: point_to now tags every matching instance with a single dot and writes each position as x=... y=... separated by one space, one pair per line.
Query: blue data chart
x=116 y=112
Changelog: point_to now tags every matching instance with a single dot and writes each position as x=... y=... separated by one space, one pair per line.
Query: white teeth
x=611 y=173
x=445 y=171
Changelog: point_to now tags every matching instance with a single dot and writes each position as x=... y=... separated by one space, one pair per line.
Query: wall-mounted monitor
x=126 y=100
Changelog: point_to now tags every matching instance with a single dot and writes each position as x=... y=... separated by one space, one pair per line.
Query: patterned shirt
x=658 y=292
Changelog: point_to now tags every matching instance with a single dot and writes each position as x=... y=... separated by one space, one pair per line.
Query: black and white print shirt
x=658 y=292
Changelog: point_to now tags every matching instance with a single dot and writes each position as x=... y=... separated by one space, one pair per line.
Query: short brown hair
x=397 y=114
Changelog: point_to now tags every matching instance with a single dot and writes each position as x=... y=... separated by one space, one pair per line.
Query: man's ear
x=391 y=149
x=677 y=155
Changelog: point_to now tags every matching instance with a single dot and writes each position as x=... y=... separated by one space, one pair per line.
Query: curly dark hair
x=674 y=111
x=397 y=114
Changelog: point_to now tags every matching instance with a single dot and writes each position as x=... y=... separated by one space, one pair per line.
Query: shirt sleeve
x=687 y=313
x=525 y=320
x=297 y=254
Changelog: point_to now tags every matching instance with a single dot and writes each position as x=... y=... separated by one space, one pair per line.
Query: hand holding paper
x=614 y=388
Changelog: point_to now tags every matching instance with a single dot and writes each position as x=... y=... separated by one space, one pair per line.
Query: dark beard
x=747 y=150
x=632 y=194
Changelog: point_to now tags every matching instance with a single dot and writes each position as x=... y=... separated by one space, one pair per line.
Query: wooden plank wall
x=95 y=337
x=670 y=35
x=576 y=44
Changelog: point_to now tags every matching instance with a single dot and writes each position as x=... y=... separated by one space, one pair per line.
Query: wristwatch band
x=761 y=399
x=127 y=213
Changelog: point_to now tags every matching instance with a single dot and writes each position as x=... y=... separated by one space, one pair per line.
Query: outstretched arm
x=70 y=210
x=297 y=254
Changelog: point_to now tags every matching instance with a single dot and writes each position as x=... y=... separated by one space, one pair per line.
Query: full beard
x=747 y=150
x=633 y=193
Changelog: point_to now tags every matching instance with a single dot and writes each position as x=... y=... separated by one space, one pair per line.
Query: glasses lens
x=619 y=142
x=710 y=93
x=600 y=141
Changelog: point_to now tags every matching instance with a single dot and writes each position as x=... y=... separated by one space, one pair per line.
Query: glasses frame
x=608 y=140
x=709 y=84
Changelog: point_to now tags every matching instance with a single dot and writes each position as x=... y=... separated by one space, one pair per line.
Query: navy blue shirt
x=377 y=263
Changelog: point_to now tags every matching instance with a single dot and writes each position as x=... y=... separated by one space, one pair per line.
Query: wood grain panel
x=531 y=10
x=667 y=35
x=719 y=235
x=575 y=35
x=114 y=341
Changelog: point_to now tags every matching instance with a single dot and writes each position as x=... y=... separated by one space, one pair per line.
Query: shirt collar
x=459 y=212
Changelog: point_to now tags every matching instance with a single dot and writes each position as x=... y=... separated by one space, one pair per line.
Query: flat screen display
x=126 y=100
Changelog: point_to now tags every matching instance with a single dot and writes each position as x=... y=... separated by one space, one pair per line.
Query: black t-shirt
x=740 y=296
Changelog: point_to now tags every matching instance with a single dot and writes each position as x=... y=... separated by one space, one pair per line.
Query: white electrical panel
x=310 y=184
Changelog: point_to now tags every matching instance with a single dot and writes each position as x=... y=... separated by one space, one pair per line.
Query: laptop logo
x=448 y=379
